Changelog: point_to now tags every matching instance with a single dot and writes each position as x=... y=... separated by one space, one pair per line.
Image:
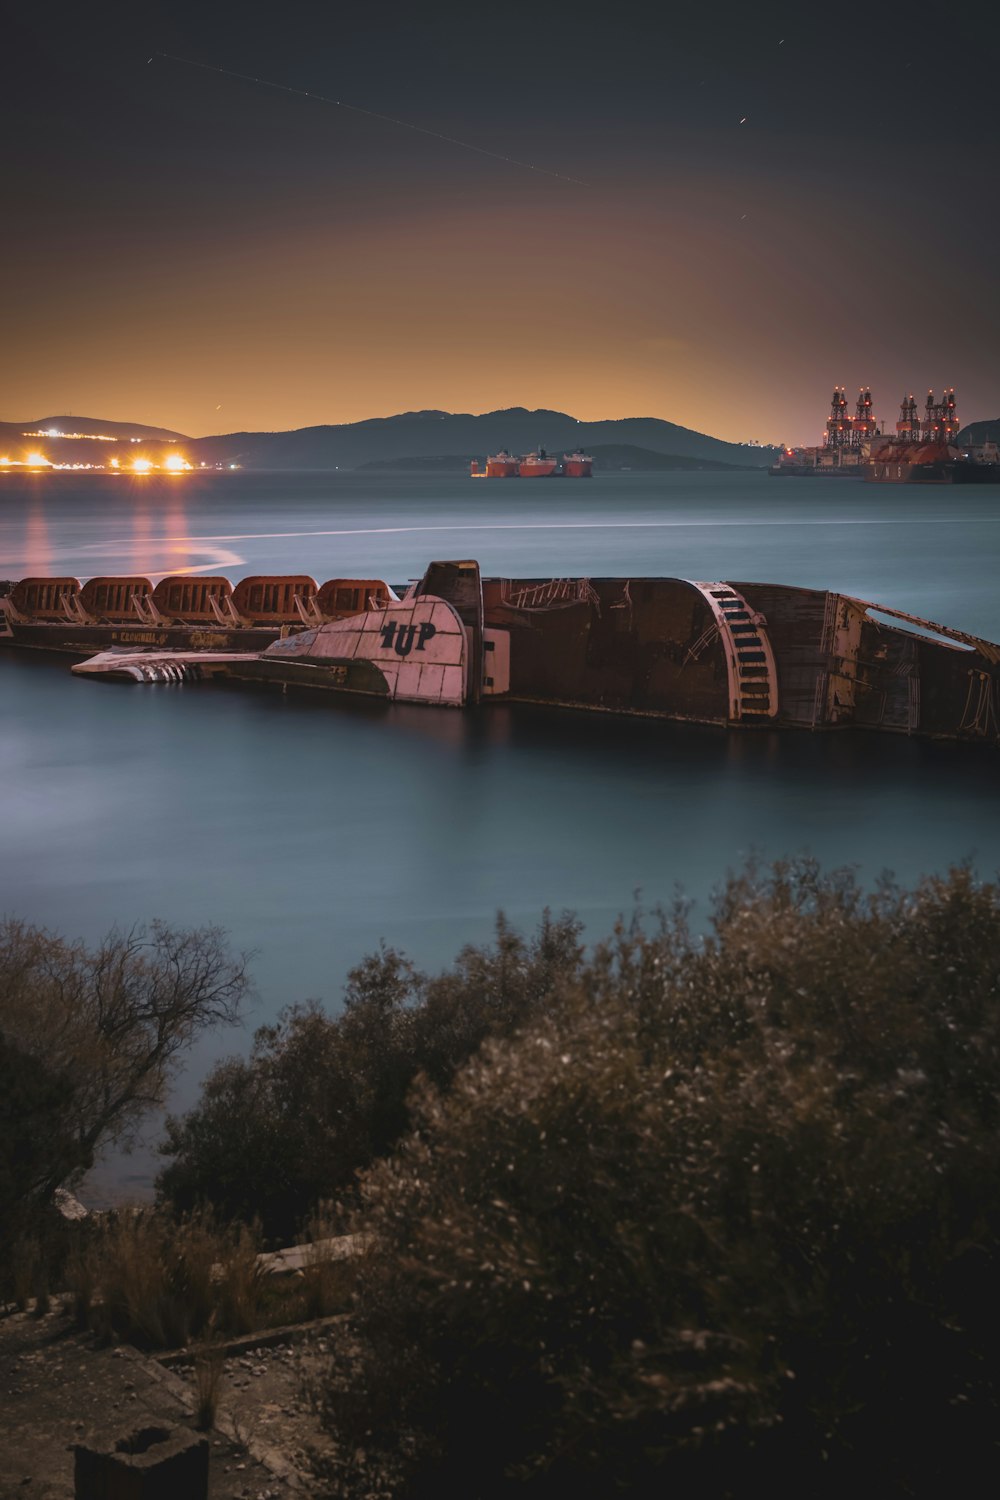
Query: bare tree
x=111 y=1021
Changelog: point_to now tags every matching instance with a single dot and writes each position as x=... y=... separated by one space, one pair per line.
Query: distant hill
x=618 y=456
x=90 y=427
x=82 y=449
x=608 y=456
x=435 y=463
x=424 y=437
x=979 y=432
x=431 y=434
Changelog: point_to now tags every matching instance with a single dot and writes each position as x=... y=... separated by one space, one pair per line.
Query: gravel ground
x=59 y=1387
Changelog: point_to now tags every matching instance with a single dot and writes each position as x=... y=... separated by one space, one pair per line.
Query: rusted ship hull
x=746 y=655
x=83 y=640
x=737 y=655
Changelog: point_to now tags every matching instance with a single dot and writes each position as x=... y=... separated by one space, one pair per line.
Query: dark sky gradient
x=198 y=252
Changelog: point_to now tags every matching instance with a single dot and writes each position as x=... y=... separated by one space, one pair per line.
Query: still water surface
x=310 y=830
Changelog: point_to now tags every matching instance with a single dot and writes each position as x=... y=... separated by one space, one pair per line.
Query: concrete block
x=154 y=1462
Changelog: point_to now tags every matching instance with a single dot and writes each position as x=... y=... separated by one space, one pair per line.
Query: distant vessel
x=502 y=465
x=538 y=465
x=577 y=465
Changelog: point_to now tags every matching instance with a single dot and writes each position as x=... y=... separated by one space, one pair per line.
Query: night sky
x=187 y=249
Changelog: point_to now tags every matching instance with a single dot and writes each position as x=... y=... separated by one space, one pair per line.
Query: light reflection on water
x=312 y=829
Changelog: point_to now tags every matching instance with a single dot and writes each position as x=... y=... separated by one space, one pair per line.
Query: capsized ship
x=740 y=655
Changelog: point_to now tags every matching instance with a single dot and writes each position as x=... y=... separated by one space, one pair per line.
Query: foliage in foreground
x=88 y=1041
x=322 y=1097
x=161 y=1281
x=724 y=1219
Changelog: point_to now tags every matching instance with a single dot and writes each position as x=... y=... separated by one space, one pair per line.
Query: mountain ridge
x=422 y=434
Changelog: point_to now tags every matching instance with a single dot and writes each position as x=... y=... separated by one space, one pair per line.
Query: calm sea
x=311 y=830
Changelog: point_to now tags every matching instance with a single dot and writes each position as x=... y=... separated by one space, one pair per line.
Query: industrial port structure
x=923 y=449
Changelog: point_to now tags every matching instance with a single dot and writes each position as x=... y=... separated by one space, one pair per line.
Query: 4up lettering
x=400 y=638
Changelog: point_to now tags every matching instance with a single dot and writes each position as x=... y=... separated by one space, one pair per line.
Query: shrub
x=724 y=1219
x=322 y=1097
x=38 y=1148
x=160 y=1282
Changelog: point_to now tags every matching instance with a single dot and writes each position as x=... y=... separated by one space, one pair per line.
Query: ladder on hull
x=753 y=676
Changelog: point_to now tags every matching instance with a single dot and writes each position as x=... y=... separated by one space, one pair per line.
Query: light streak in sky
x=373 y=114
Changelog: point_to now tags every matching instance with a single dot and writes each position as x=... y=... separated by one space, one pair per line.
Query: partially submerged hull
x=733 y=654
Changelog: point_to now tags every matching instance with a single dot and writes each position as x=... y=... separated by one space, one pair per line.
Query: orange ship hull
x=539 y=468
x=577 y=468
x=502 y=468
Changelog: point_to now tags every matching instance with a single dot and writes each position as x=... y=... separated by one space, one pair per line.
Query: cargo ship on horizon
x=537 y=465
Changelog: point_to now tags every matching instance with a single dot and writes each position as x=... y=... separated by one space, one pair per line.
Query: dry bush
x=163 y=1281
x=209 y=1367
x=241 y=1280
x=727 y=1221
x=80 y=1277
x=23 y=1271
x=327 y=1275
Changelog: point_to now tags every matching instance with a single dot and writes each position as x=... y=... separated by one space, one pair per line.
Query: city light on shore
x=165 y=463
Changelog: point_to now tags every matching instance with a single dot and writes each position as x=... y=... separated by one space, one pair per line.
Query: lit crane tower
x=949 y=416
x=908 y=428
x=933 y=414
x=838 y=426
x=864 y=426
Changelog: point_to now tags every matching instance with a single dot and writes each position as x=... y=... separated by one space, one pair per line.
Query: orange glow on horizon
x=622 y=303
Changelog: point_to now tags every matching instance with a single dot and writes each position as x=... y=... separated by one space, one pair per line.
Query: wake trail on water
x=264 y=536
